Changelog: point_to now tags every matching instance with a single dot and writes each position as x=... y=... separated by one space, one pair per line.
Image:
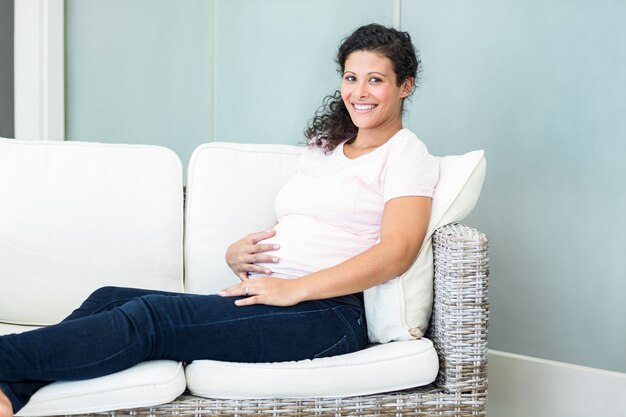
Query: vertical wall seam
x=212 y=44
x=396 y=14
x=65 y=77
x=43 y=70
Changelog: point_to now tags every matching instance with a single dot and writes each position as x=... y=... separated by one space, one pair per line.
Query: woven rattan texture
x=459 y=332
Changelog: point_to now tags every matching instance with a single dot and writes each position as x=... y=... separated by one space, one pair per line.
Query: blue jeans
x=116 y=328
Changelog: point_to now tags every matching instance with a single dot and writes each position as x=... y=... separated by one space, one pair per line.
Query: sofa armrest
x=459 y=324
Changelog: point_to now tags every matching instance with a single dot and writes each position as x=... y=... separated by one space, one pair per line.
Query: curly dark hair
x=331 y=123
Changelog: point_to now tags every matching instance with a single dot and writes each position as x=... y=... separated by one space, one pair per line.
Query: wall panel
x=275 y=62
x=138 y=72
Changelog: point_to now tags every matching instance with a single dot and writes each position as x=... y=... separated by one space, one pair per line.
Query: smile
x=364 y=107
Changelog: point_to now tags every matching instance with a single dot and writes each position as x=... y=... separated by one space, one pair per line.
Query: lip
x=363 y=107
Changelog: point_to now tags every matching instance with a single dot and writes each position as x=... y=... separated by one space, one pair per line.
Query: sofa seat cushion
x=376 y=369
x=8 y=328
x=146 y=384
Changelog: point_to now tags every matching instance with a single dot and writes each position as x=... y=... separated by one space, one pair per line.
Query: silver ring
x=246 y=294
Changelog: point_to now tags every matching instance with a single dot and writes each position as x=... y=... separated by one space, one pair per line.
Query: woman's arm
x=404 y=224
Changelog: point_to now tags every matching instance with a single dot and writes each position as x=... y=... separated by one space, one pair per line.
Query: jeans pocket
x=339 y=348
x=356 y=323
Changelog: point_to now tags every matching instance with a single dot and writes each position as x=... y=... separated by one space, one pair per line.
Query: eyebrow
x=369 y=73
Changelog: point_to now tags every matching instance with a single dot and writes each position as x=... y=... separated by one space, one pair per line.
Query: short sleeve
x=409 y=170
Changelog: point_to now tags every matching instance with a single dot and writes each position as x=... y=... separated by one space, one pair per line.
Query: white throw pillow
x=400 y=308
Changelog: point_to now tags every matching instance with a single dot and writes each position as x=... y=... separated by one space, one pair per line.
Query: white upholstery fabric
x=400 y=308
x=378 y=368
x=76 y=216
x=6 y=328
x=146 y=384
x=230 y=193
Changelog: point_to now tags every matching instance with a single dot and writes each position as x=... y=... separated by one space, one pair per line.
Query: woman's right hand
x=244 y=255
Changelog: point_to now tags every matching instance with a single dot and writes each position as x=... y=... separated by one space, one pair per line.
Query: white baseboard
x=523 y=386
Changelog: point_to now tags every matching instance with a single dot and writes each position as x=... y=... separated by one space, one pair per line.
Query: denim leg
x=103 y=299
x=215 y=328
x=180 y=327
x=107 y=298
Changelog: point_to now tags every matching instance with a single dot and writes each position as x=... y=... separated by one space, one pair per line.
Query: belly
x=308 y=245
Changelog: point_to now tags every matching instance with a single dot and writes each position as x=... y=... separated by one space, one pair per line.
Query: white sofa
x=77 y=216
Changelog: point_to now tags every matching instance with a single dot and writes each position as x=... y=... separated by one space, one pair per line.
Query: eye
x=349 y=77
x=375 y=80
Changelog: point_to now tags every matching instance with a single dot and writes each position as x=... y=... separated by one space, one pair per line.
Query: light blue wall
x=137 y=71
x=541 y=86
x=275 y=62
x=180 y=73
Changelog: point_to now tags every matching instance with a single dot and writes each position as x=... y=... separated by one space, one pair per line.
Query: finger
x=259 y=236
x=255 y=258
x=243 y=276
x=233 y=291
x=248 y=301
x=249 y=268
x=258 y=269
x=252 y=249
x=258 y=258
x=264 y=247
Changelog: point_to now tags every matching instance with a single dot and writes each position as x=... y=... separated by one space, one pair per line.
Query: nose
x=360 y=90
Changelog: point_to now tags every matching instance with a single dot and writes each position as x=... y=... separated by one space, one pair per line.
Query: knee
x=105 y=298
x=104 y=293
x=99 y=300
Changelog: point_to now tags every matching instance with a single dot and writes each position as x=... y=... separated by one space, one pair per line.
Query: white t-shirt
x=331 y=209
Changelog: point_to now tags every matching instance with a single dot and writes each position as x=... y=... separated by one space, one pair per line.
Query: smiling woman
x=354 y=215
x=379 y=67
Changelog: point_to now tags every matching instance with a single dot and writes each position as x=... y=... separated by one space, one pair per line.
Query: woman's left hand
x=266 y=290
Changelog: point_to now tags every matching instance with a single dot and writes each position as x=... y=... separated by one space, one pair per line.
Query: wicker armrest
x=459 y=322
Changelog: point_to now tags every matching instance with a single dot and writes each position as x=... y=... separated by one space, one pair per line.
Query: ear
x=407 y=87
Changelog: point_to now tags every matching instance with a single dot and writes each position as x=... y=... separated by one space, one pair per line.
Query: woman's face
x=370 y=91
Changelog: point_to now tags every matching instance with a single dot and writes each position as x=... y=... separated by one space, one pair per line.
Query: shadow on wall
x=6 y=69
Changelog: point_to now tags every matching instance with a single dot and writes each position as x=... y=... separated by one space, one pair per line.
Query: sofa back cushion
x=230 y=193
x=77 y=216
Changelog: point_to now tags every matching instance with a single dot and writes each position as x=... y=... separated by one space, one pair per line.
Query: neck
x=367 y=138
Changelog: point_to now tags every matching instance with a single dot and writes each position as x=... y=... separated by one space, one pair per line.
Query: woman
x=354 y=216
